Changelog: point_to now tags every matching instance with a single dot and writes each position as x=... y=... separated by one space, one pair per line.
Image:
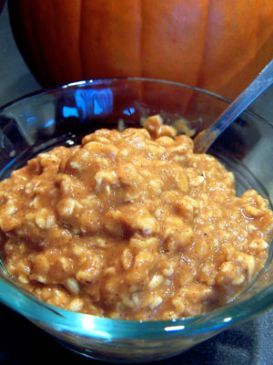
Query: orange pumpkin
x=216 y=44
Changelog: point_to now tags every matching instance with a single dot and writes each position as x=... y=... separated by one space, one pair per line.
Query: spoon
x=260 y=84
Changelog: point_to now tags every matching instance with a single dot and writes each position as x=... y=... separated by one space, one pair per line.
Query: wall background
x=15 y=78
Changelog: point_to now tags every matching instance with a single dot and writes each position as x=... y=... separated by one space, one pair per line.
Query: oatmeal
x=132 y=225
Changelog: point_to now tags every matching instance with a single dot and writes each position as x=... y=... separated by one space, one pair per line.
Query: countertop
x=22 y=343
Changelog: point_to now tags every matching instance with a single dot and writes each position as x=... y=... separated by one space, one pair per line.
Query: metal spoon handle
x=262 y=82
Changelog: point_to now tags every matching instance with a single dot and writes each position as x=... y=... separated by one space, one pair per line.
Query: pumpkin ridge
x=80 y=37
x=38 y=54
x=202 y=58
x=198 y=81
x=141 y=39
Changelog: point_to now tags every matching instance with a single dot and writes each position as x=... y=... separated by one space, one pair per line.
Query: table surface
x=22 y=343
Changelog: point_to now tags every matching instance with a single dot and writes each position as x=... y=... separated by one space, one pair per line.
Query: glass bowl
x=61 y=117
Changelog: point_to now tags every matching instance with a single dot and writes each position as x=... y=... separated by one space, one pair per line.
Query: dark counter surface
x=22 y=343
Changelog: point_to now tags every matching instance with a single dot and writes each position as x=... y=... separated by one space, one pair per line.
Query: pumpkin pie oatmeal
x=132 y=225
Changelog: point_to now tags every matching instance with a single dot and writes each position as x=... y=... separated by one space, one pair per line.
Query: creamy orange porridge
x=132 y=225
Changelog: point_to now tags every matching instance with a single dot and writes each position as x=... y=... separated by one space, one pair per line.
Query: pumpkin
x=219 y=45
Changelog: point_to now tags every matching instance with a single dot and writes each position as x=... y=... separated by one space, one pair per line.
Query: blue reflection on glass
x=70 y=111
x=94 y=102
x=31 y=120
x=129 y=111
x=49 y=123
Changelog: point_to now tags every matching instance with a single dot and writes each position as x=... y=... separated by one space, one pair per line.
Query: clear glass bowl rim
x=114 y=329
